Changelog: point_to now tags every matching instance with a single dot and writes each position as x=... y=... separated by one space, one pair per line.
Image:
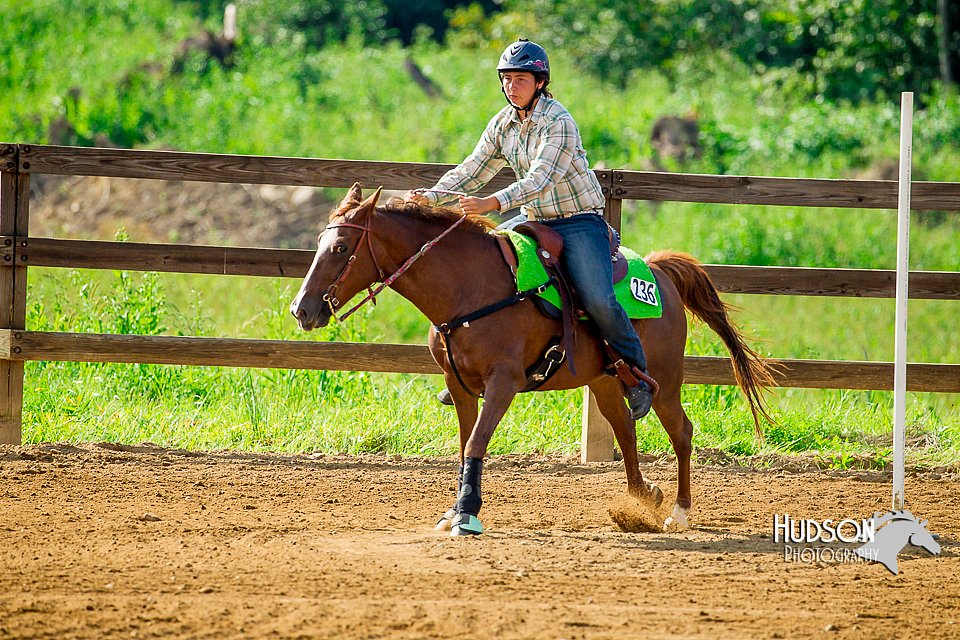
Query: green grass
x=281 y=410
x=346 y=101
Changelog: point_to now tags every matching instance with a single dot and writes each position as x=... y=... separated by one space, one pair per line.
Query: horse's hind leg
x=678 y=426
x=614 y=409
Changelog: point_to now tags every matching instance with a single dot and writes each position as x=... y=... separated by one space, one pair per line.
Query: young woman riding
x=538 y=138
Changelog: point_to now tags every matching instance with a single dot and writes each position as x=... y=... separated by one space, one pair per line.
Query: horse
x=450 y=265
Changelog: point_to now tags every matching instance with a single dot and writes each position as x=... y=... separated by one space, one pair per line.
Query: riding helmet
x=524 y=55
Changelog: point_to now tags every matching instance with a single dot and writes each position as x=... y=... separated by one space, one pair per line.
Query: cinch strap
x=447 y=328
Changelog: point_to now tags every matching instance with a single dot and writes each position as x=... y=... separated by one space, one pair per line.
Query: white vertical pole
x=900 y=331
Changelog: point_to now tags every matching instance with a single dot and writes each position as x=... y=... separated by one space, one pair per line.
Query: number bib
x=645 y=292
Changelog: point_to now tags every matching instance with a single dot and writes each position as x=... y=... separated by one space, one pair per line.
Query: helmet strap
x=526 y=109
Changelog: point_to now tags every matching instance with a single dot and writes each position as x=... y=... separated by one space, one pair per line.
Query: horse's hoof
x=445 y=523
x=678 y=519
x=465 y=524
x=656 y=495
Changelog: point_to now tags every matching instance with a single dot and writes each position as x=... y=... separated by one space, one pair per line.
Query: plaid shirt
x=545 y=151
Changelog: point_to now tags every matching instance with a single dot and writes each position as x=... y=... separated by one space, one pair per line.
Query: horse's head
x=343 y=265
x=922 y=538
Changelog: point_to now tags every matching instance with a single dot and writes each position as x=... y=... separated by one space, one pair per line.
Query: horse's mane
x=440 y=215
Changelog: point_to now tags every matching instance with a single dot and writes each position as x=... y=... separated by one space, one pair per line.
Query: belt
x=598 y=211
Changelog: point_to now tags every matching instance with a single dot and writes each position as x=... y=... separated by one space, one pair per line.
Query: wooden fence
x=19 y=251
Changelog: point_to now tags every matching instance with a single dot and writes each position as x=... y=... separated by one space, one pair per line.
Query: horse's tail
x=752 y=371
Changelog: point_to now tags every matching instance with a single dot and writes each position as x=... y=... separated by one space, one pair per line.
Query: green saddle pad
x=637 y=292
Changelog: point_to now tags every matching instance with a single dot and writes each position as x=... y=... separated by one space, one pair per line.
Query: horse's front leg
x=466 y=405
x=498 y=394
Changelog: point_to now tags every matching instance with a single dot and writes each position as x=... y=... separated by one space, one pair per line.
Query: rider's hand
x=416 y=197
x=478 y=206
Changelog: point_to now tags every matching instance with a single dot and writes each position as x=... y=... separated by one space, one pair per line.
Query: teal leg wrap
x=466 y=524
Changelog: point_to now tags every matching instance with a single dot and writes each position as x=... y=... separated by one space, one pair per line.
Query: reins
x=445 y=329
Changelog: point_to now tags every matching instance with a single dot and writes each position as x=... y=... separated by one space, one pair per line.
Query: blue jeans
x=586 y=258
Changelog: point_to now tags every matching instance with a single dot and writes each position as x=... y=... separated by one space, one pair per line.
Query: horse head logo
x=901 y=527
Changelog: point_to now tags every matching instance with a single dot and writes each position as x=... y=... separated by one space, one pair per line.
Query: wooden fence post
x=596 y=437
x=14 y=224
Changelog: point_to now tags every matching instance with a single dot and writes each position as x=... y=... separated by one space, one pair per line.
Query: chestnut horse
x=464 y=272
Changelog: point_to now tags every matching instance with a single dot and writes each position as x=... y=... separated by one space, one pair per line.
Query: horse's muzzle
x=307 y=320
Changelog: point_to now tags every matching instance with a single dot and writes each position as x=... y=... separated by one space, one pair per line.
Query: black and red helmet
x=524 y=55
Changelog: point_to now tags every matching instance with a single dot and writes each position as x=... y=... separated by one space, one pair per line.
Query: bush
x=851 y=49
x=313 y=22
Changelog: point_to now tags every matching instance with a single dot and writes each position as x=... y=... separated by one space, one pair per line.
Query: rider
x=538 y=138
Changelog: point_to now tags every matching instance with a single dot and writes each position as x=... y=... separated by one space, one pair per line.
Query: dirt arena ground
x=100 y=541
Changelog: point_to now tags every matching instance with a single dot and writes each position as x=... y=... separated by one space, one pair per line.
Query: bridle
x=330 y=296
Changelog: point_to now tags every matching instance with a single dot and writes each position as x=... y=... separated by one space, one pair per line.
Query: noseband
x=330 y=295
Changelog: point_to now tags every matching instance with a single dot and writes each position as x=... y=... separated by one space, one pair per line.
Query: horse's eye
x=339 y=248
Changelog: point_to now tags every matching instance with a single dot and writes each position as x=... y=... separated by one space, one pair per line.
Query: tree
x=850 y=49
x=948 y=16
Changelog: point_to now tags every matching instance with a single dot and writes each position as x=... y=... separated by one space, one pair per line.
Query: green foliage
x=291 y=99
x=283 y=96
x=853 y=50
x=863 y=48
x=55 y=64
x=313 y=23
x=374 y=413
x=428 y=18
x=136 y=304
x=318 y=23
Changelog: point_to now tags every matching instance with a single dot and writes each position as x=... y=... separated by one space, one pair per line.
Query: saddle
x=552 y=242
x=549 y=250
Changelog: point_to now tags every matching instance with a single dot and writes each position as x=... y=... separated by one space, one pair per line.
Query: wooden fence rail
x=409 y=358
x=18 y=251
x=293 y=263
x=621 y=185
x=795 y=192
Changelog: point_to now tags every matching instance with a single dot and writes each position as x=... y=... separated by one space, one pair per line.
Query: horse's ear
x=924 y=524
x=356 y=212
x=354 y=195
x=371 y=202
x=350 y=201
